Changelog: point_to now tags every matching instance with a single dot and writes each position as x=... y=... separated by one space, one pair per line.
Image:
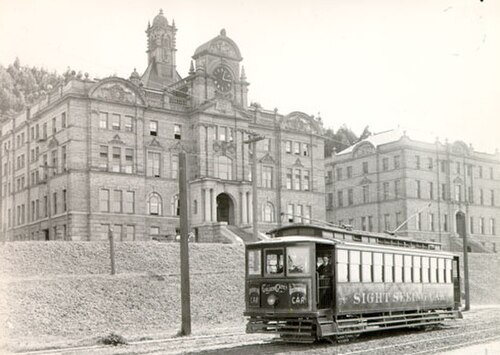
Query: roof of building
x=160 y=20
x=377 y=139
x=220 y=46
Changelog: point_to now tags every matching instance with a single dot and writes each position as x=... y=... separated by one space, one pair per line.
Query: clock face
x=223 y=79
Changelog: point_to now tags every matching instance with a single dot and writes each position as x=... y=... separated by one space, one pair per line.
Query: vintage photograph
x=249 y=177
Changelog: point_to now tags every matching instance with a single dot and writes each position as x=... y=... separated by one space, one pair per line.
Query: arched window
x=175 y=205
x=224 y=168
x=268 y=212
x=154 y=204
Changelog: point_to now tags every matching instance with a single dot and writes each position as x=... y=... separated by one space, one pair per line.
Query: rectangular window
x=458 y=193
x=267 y=176
x=366 y=266
x=254 y=262
x=443 y=166
x=153 y=128
x=397 y=162
x=481 y=225
x=307 y=214
x=339 y=174
x=340 y=199
x=305 y=150
x=266 y=145
x=296 y=148
x=407 y=268
x=115 y=122
x=457 y=164
x=177 y=131
x=366 y=193
x=64 y=158
x=45 y=206
x=63 y=120
x=154 y=232
x=354 y=266
x=103 y=120
x=128 y=201
x=481 y=196
x=431 y=222
x=416 y=269
x=398 y=268
x=363 y=223
x=288 y=147
x=128 y=123
x=492 y=175
x=470 y=193
x=54 y=127
x=445 y=222
x=425 y=269
x=377 y=267
x=387 y=222
x=448 y=271
x=431 y=190
x=441 y=271
x=430 y=163
x=480 y=171
x=418 y=221
x=433 y=270
x=116 y=161
x=289 y=179
x=222 y=133
x=385 y=164
x=154 y=164
x=349 y=172
x=350 y=197
x=290 y=212
x=230 y=134
x=492 y=201
x=299 y=213
x=388 y=267
x=65 y=200
x=117 y=201
x=492 y=226
x=274 y=262
x=471 y=225
x=54 y=201
x=418 y=191
x=306 y=181
x=386 y=190
x=330 y=200
x=397 y=188
x=444 y=187
x=103 y=157
x=417 y=161
x=365 y=167
x=342 y=266
x=104 y=200
x=129 y=161
x=297 y=179
x=175 y=166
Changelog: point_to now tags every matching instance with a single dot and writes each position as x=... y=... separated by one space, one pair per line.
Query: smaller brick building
x=381 y=181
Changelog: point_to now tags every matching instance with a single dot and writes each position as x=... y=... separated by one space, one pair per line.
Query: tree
x=342 y=139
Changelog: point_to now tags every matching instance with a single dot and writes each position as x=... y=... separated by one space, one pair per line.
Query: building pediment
x=365 y=181
x=117 y=90
x=298 y=163
x=155 y=144
x=299 y=121
x=116 y=140
x=363 y=148
x=224 y=107
x=267 y=159
x=458 y=180
x=53 y=143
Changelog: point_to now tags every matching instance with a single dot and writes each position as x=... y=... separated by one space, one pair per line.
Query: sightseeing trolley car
x=309 y=282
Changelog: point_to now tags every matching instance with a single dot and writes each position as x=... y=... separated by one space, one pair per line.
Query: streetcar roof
x=294 y=239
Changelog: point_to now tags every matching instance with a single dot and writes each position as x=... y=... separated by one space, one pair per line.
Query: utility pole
x=466 y=263
x=252 y=140
x=184 y=222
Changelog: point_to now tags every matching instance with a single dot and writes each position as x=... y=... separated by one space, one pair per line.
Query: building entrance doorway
x=225 y=209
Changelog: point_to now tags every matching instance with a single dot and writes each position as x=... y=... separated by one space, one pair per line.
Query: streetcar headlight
x=272 y=300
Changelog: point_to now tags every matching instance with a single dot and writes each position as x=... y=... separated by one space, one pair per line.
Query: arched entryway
x=225 y=208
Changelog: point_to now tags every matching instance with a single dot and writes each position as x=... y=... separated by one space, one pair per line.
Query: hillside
x=60 y=290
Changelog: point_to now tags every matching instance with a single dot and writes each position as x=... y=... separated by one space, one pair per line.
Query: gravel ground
x=61 y=293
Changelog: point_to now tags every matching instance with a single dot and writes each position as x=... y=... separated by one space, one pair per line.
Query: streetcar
x=310 y=282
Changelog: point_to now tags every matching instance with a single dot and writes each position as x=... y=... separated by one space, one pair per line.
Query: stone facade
x=380 y=182
x=101 y=153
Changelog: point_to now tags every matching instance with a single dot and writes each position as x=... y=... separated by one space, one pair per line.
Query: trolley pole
x=184 y=222
x=112 y=249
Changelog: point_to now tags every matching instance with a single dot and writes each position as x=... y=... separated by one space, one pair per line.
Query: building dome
x=219 y=46
x=160 y=20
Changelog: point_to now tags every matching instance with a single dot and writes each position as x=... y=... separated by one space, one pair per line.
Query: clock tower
x=161 y=70
x=218 y=71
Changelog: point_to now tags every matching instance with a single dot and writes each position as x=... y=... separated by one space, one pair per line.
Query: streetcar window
x=254 y=262
x=448 y=271
x=433 y=270
x=407 y=268
x=425 y=269
x=274 y=262
x=398 y=268
x=416 y=269
x=342 y=263
x=354 y=265
x=377 y=267
x=298 y=260
x=388 y=262
x=441 y=271
x=366 y=266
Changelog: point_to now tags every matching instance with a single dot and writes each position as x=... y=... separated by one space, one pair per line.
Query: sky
x=430 y=67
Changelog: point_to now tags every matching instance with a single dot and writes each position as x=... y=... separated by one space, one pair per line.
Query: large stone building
x=380 y=182
x=101 y=153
